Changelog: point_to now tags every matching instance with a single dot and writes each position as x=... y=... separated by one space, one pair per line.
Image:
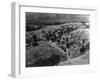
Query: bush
x=51 y=61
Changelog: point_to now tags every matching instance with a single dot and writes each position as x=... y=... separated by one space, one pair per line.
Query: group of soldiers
x=65 y=40
x=60 y=36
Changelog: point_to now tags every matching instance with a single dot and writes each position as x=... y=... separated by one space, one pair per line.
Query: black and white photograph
x=54 y=39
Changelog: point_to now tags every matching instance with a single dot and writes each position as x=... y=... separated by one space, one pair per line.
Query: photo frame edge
x=15 y=43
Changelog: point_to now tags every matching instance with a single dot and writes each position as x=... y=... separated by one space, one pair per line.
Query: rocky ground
x=81 y=60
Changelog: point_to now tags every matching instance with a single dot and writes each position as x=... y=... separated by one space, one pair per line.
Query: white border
x=19 y=68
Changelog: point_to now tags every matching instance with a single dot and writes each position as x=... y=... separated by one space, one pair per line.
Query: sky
x=51 y=18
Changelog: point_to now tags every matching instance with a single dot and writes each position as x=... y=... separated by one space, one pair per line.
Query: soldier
x=35 y=40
